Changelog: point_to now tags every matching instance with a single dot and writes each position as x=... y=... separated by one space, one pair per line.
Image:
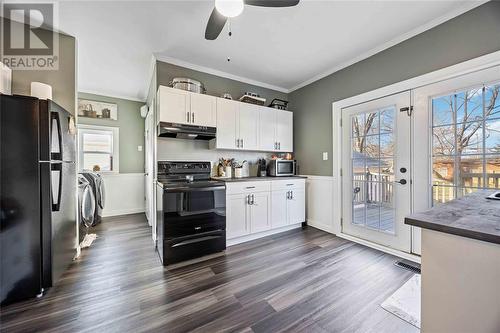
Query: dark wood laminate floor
x=298 y=281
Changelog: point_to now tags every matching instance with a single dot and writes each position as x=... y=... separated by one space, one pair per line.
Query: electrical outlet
x=325 y=156
x=139 y=148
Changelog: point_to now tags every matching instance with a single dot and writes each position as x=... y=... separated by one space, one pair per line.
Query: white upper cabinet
x=248 y=126
x=203 y=110
x=284 y=130
x=174 y=105
x=267 y=127
x=184 y=107
x=276 y=130
x=227 y=121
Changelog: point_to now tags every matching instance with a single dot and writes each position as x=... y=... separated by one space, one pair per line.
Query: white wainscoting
x=124 y=194
x=319 y=198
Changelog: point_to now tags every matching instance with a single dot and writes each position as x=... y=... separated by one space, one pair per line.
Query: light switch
x=325 y=156
x=139 y=148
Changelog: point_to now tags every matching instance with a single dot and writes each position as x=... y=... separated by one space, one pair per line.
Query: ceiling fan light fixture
x=229 y=8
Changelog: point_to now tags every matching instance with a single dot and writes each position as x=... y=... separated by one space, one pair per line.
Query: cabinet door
x=227 y=116
x=249 y=126
x=297 y=207
x=267 y=124
x=203 y=110
x=174 y=105
x=260 y=213
x=279 y=204
x=284 y=130
x=237 y=216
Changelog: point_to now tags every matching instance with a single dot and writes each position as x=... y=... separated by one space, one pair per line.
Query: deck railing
x=373 y=187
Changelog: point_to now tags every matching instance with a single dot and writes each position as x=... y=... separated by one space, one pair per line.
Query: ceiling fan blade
x=272 y=3
x=215 y=25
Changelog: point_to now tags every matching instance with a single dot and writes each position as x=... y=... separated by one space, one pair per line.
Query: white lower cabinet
x=260 y=212
x=279 y=208
x=256 y=207
x=237 y=216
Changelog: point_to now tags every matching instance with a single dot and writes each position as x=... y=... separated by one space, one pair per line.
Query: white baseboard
x=124 y=194
x=117 y=212
x=243 y=239
x=320 y=226
x=382 y=248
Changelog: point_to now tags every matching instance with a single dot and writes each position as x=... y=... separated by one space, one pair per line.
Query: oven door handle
x=195 y=189
x=196 y=240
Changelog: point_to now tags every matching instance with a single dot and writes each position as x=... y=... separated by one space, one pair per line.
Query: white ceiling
x=278 y=48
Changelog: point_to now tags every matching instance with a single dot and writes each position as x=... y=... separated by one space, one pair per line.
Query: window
x=98 y=148
x=465 y=142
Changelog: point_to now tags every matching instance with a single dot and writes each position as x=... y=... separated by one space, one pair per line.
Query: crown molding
x=118 y=96
x=412 y=33
x=178 y=62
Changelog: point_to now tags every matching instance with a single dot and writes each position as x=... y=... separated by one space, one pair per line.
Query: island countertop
x=472 y=216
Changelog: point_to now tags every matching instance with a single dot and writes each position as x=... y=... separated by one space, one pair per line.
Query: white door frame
x=483 y=62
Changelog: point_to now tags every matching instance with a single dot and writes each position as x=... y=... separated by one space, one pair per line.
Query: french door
x=376 y=169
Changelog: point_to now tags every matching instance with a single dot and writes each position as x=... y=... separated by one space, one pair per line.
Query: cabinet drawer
x=291 y=184
x=248 y=187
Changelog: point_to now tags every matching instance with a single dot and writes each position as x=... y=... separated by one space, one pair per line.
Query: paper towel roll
x=41 y=90
x=5 y=79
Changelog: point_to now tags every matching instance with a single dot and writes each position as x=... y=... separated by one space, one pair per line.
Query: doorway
x=376 y=170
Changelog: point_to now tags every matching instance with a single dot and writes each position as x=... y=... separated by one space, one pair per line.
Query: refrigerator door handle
x=56 y=147
x=56 y=185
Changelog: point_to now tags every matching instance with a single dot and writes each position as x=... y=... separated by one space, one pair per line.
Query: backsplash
x=170 y=149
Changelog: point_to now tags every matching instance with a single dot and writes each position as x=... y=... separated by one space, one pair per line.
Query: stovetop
x=177 y=175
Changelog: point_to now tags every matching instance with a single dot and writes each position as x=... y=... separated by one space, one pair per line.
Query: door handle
x=402 y=181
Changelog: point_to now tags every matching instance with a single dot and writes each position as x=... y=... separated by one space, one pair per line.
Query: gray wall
x=465 y=37
x=63 y=80
x=131 y=126
x=214 y=84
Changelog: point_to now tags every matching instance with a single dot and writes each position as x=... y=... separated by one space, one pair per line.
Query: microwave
x=280 y=168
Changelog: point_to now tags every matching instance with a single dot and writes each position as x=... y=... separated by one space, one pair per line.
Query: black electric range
x=191 y=212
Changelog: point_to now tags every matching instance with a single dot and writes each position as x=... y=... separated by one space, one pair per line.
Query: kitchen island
x=461 y=265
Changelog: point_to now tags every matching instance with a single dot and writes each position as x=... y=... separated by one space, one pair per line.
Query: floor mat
x=405 y=302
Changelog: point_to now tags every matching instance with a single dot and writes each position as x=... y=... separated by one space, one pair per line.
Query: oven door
x=193 y=211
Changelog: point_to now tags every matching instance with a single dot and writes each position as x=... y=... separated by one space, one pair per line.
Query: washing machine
x=86 y=206
x=97 y=184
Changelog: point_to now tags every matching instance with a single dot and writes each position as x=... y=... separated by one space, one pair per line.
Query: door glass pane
x=443 y=140
x=443 y=168
x=492 y=136
x=470 y=171
x=492 y=101
x=493 y=171
x=469 y=105
x=443 y=110
x=466 y=142
x=373 y=176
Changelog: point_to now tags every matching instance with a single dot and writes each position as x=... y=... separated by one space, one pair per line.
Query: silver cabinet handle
x=192 y=117
x=241 y=143
x=288 y=195
x=279 y=145
x=291 y=195
x=237 y=143
x=249 y=187
x=275 y=145
x=187 y=116
x=249 y=201
x=253 y=200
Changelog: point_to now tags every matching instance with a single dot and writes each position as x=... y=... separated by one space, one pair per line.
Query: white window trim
x=116 y=146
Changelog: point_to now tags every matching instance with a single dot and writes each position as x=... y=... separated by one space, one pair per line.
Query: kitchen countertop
x=254 y=178
x=472 y=216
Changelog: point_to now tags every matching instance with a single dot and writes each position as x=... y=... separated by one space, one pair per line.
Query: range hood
x=190 y=132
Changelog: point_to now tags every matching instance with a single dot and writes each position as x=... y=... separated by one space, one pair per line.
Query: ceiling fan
x=225 y=9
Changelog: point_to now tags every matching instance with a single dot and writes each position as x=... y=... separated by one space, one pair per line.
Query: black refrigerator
x=37 y=195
